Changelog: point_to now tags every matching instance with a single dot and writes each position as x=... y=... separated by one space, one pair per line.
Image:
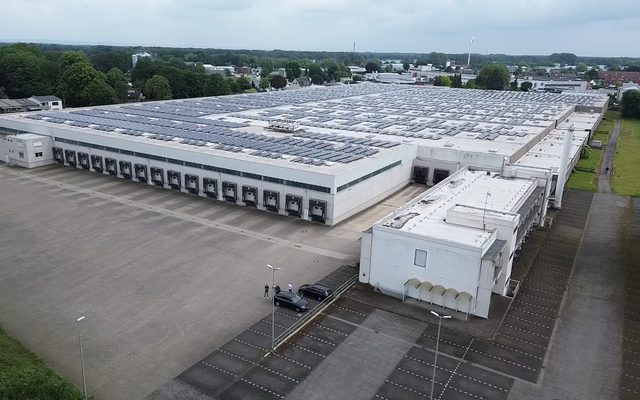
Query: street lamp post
x=435 y=358
x=273 y=306
x=84 y=380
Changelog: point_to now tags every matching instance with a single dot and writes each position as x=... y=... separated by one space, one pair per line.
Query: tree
x=456 y=81
x=582 y=67
x=264 y=84
x=526 y=86
x=493 y=77
x=372 y=66
x=442 y=80
x=471 y=84
x=233 y=85
x=243 y=83
x=81 y=85
x=119 y=82
x=633 y=68
x=215 y=85
x=293 y=70
x=316 y=74
x=157 y=88
x=278 y=81
x=144 y=70
x=69 y=58
x=630 y=104
x=25 y=71
x=388 y=68
x=406 y=65
x=591 y=74
x=448 y=69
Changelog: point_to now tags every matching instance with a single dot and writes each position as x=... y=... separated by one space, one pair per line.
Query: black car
x=316 y=291
x=291 y=300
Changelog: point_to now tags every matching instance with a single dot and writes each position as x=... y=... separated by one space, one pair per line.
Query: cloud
x=505 y=26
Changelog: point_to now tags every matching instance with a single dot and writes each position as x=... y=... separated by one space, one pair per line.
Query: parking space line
x=291 y=360
x=259 y=333
x=315 y=353
x=536 y=305
x=349 y=310
x=532 y=313
x=331 y=329
x=542 y=290
x=262 y=388
x=503 y=359
x=316 y=338
x=516 y=350
x=259 y=365
x=250 y=344
x=457 y=373
x=528 y=321
x=407 y=388
x=444 y=341
x=446 y=385
x=219 y=369
x=527 y=331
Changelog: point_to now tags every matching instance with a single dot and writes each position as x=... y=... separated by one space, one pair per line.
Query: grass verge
x=625 y=179
x=24 y=376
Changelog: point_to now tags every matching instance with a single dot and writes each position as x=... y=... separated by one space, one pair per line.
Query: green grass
x=585 y=176
x=583 y=181
x=24 y=376
x=252 y=90
x=625 y=179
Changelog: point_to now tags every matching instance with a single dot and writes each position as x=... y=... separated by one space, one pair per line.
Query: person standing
x=290 y=287
x=266 y=291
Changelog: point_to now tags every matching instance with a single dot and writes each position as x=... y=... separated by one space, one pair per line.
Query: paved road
x=607 y=162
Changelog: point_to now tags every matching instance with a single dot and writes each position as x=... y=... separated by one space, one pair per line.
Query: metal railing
x=312 y=313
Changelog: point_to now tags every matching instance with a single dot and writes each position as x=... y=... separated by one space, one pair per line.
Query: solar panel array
x=216 y=134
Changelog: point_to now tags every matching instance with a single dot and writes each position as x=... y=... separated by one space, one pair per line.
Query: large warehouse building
x=325 y=154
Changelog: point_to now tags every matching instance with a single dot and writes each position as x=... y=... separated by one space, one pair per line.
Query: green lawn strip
x=626 y=162
x=583 y=180
x=24 y=376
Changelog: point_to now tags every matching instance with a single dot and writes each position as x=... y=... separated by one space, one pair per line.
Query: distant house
x=618 y=77
x=48 y=102
x=299 y=83
x=134 y=96
x=18 y=105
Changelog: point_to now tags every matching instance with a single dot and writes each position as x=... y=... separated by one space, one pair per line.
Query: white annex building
x=326 y=153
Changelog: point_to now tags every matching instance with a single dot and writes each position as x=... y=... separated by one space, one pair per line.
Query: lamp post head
x=80 y=319
x=273 y=268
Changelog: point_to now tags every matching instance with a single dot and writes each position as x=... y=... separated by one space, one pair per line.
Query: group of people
x=276 y=289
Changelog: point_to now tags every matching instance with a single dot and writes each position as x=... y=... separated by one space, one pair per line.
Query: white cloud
x=585 y=27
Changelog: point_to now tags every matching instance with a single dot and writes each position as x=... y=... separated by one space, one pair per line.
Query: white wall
x=392 y=264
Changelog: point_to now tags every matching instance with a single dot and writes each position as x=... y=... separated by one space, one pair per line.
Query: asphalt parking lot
x=365 y=345
x=163 y=277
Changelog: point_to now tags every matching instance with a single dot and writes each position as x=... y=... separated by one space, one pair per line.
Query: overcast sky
x=583 y=27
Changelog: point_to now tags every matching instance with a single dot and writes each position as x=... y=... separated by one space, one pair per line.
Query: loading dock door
x=173 y=179
x=271 y=200
x=317 y=210
x=229 y=191
x=125 y=169
x=157 y=176
x=141 y=172
x=111 y=166
x=210 y=187
x=58 y=155
x=439 y=175
x=250 y=195
x=96 y=163
x=420 y=175
x=191 y=182
x=294 y=205
x=70 y=156
x=83 y=160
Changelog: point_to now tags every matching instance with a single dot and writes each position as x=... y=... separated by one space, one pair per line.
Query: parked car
x=291 y=300
x=316 y=291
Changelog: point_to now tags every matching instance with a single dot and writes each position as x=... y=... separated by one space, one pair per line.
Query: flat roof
x=548 y=151
x=465 y=191
x=339 y=125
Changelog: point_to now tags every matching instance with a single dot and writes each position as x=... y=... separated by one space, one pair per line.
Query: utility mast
x=469 y=58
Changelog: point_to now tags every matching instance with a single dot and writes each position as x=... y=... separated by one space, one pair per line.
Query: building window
x=39 y=154
x=21 y=154
x=55 y=103
x=420 y=258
